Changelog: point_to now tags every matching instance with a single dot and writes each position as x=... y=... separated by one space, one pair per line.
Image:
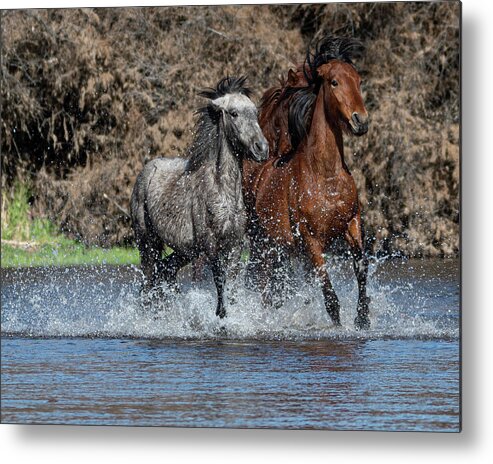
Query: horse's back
x=164 y=169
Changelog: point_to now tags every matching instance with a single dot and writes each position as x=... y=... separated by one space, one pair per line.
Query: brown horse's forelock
x=330 y=48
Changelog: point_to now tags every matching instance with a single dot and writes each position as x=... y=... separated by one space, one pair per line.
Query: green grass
x=73 y=254
x=50 y=248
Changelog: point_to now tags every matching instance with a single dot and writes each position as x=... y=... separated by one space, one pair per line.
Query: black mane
x=207 y=139
x=208 y=136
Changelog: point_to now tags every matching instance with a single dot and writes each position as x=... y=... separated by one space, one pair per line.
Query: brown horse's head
x=342 y=92
x=330 y=69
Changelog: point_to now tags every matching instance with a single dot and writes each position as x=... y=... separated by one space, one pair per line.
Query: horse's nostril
x=358 y=119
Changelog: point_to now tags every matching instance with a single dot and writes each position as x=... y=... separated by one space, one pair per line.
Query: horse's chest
x=227 y=218
x=328 y=206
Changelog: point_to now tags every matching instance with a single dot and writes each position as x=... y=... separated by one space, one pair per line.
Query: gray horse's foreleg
x=219 y=273
x=233 y=269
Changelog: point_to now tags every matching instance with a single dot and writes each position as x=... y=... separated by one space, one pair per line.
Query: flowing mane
x=298 y=93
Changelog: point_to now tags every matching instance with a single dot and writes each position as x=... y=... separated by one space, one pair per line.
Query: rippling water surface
x=77 y=348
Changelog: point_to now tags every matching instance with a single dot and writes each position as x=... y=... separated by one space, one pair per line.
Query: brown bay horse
x=304 y=196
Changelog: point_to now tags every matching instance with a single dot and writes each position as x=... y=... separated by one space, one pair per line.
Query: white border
x=54 y=444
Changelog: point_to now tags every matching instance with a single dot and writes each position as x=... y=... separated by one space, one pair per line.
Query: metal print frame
x=232 y=216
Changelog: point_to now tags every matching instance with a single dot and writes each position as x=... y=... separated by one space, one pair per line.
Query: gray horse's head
x=239 y=116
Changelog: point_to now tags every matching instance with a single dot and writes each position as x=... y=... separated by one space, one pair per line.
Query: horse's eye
x=233 y=114
x=334 y=83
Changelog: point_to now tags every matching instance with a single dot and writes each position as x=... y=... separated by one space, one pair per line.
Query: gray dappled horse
x=195 y=205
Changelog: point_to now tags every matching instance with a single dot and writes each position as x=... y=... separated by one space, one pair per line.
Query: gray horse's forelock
x=231 y=101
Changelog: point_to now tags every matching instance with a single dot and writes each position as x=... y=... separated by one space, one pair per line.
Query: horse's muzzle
x=260 y=150
x=359 y=124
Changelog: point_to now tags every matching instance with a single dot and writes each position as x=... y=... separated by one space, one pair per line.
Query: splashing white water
x=106 y=303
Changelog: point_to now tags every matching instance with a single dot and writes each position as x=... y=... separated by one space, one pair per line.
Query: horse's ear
x=291 y=77
x=323 y=71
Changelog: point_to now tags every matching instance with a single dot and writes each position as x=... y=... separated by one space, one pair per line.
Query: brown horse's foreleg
x=257 y=268
x=355 y=238
x=315 y=252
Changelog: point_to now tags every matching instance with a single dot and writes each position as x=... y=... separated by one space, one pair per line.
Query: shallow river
x=77 y=348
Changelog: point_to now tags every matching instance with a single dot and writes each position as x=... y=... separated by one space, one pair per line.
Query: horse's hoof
x=308 y=301
x=278 y=304
x=276 y=301
x=337 y=324
x=221 y=313
x=266 y=300
x=362 y=322
x=222 y=331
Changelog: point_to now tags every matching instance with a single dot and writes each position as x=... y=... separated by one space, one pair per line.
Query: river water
x=78 y=348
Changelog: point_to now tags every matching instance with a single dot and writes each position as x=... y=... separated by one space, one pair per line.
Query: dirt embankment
x=90 y=95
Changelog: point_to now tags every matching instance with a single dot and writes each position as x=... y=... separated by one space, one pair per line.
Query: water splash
x=408 y=300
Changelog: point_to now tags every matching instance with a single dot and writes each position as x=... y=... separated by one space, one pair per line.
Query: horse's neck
x=324 y=149
x=228 y=171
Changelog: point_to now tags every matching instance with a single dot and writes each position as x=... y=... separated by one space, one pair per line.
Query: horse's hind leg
x=355 y=238
x=151 y=262
x=170 y=267
x=257 y=267
x=315 y=253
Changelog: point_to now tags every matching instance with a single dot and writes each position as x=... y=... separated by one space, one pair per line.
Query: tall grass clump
x=33 y=241
x=18 y=223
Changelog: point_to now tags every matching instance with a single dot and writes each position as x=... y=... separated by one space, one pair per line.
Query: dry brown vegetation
x=89 y=95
